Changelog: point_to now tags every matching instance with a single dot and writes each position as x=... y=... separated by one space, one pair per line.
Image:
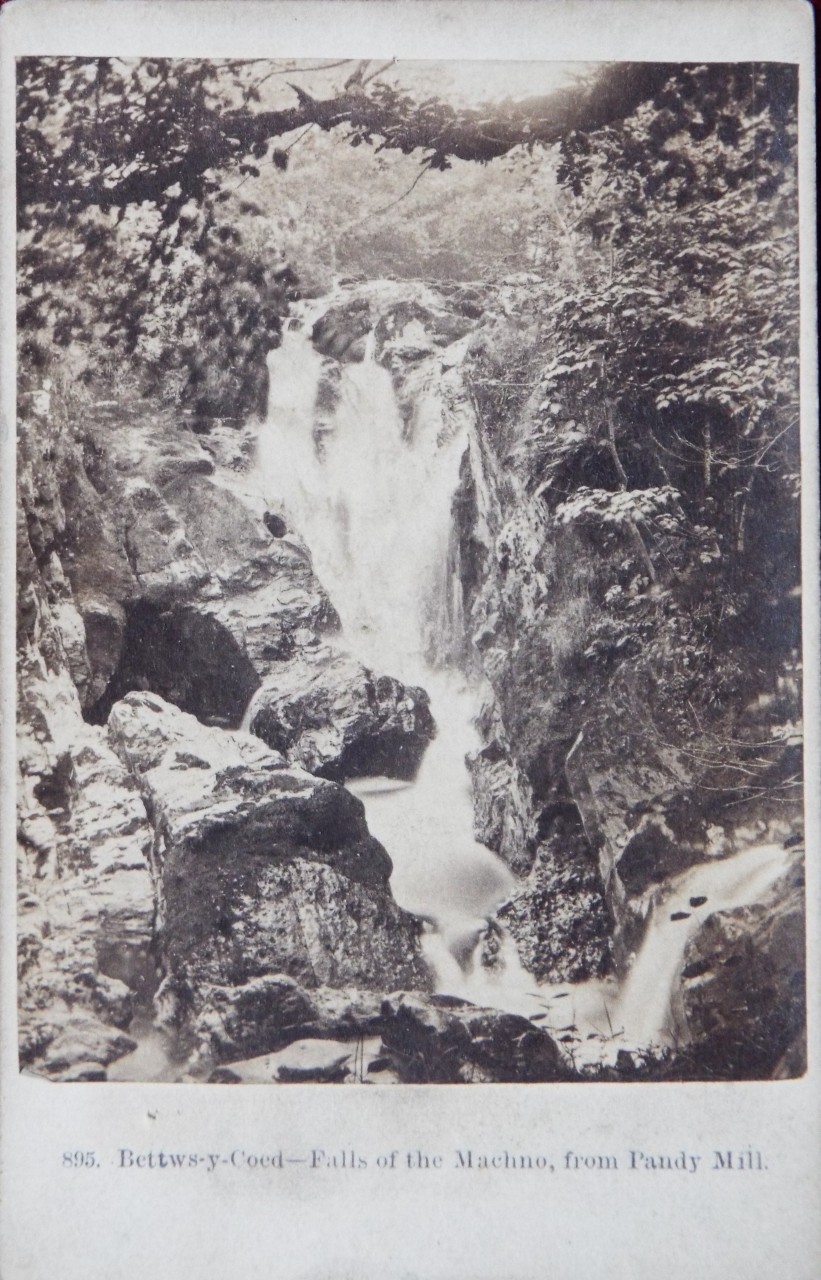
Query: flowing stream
x=371 y=494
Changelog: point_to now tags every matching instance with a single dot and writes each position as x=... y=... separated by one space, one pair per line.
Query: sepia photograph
x=409 y=646
x=409 y=524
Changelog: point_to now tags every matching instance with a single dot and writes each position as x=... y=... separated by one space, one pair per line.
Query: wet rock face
x=341 y=331
x=337 y=720
x=557 y=918
x=635 y=794
x=520 y=613
x=264 y=869
x=502 y=805
x=743 y=986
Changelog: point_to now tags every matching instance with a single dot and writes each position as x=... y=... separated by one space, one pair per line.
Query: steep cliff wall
x=608 y=765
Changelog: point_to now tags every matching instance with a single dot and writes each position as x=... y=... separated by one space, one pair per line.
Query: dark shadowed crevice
x=187 y=657
x=388 y=753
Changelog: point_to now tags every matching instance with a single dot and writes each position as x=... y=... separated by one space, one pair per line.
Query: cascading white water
x=603 y=1016
x=440 y=871
x=372 y=498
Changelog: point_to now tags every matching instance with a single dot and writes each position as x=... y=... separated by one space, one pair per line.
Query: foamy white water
x=371 y=499
x=440 y=871
x=644 y=1004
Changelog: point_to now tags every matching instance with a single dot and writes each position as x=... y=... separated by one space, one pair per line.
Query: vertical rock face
x=591 y=784
x=85 y=892
x=522 y=612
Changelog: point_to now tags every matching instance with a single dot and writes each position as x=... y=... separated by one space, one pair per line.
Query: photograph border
x=374 y=1228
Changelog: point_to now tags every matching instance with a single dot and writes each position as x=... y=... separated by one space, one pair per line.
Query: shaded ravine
x=372 y=497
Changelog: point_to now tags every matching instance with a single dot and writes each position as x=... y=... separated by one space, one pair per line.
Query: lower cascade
x=372 y=494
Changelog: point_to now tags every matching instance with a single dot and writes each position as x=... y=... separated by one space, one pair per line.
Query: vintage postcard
x=410 y=418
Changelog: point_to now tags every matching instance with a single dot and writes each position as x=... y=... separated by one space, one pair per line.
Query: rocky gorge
x=200 y=676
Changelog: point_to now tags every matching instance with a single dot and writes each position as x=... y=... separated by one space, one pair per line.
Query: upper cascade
x=370 y=490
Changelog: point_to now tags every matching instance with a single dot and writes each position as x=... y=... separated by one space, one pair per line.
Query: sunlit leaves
x=621 y=507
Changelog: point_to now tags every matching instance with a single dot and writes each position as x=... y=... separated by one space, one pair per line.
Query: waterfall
x=680 y=909
x=371 y=499
x=372 y=496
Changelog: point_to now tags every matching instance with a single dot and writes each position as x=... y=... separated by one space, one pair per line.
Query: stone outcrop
x=446 y=1040
x=337 y=720
x=410 y=321
x=262 y=869
x=522 y=610
x=404 y=1037
x=220 y=602
x=146 y=561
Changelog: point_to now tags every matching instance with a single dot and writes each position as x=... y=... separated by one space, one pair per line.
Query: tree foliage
x=643 y=372
x=662 y=420
x=131 y=240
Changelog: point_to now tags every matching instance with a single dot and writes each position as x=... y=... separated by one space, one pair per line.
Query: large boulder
x=342 y=330
x=441 y=1039
x=263 y=1015
x=502 y=804
x=222 y=601
x=264 y=869
x=338 y=720
x=273 y=1029
x=253 y=1018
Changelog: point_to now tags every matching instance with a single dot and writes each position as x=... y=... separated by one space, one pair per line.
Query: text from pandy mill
x=350 y=1160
